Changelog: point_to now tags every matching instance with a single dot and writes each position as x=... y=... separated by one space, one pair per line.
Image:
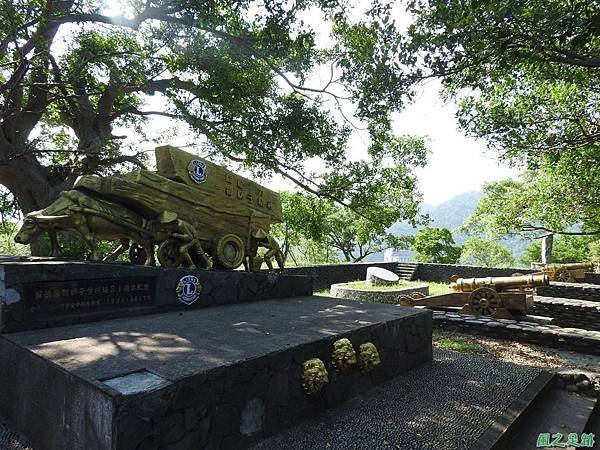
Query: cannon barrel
x=570 y=266
x=500 y=283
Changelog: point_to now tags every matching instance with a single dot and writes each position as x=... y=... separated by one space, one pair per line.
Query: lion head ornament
x=344 y=356
x=368 y=356
x=314 y=376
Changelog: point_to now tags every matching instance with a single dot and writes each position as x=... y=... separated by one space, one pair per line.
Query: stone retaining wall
x=568 y=312
x=342 y=290
x=578 y=340
x=443 y=272
x=326 y=275
x=581 y=291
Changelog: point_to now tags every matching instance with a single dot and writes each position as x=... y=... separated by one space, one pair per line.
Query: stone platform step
x=576 y=339
x=219 y=377
x=557 y=411
x=581 y=291
x=509 y=423
x=568 y=312
x=406 y=271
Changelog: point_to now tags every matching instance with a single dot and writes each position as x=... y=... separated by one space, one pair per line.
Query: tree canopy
x=315 y=225
x=566 y=249
x=486 y=253
x=527 y=78
x=75 y=82
x=435 y=245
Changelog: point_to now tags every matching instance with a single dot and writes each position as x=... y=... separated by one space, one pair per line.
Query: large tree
x=435 y=245
x=485 y=252
x=527 y=78
x=239 y=74
x=330 y=229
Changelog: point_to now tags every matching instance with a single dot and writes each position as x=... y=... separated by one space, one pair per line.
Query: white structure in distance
x=393 y=255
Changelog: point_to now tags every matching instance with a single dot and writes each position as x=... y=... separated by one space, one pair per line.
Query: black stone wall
x=568 y=313
x=39 y=294
x=443 y=272
x=236 y=406
x=581 y=291
x=326 y=275
x=52 y=407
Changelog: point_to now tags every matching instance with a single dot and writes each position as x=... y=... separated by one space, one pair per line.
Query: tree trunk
x=28 y=181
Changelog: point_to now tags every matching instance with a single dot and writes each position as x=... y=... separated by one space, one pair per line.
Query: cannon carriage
x=197 y=213
x=567 y=273
x=497 y=297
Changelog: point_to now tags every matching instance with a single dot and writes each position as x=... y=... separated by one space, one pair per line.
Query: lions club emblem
x=197 y=171
x=188 y=289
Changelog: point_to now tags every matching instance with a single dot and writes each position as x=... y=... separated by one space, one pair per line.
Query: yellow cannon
x=498 y=297
x=568 y=273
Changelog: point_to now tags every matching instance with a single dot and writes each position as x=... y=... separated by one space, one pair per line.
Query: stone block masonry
x=326 y=275
x=568 y=312
x=581 y=291
x=41 y=294
x=574 y=339
x=222 y=377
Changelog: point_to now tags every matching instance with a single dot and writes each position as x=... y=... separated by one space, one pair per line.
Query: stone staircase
x=406 y=271
x=542 y=408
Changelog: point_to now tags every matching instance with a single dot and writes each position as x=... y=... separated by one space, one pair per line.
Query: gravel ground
x=551 y=359
x=445 y=404
x=11 y=441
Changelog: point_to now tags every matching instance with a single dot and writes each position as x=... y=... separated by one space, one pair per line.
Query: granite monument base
x=221 y=377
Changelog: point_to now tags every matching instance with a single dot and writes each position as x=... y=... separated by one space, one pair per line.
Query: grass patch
x=323 y=293
x=455 y=342
x=436 y=288
x=382 y=287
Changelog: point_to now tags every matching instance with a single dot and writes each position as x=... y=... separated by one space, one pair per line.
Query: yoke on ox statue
x=197 y=213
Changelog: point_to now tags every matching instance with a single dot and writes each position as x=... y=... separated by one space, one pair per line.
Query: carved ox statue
x=93 y=219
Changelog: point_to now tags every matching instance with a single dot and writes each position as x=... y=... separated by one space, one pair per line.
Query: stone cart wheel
x=168 y=253
x=137 y=254
x=485 y=301
x=563 y=275
x=228 y=252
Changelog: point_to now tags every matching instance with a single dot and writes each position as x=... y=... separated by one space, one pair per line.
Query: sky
x=456 y=163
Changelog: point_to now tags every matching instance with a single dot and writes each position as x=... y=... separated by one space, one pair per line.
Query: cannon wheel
x=485 y=301
x=453 y=278
x=563 y=275
x=405 y=300
x=137 y=254
x=168 y=253
x=228 y=252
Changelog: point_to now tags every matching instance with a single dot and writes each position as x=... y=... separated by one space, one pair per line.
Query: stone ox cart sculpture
x=199 y=214
x=498 y=297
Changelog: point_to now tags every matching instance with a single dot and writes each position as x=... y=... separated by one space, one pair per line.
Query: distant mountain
x=451 y=214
